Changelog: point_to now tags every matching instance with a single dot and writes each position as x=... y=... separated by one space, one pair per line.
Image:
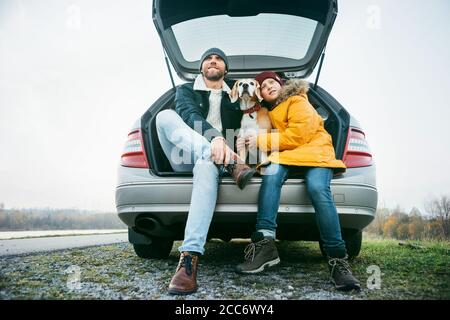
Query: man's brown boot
x=185 y=279
x=241 y=173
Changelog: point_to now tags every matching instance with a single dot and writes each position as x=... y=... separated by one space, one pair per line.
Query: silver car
x=286 y=36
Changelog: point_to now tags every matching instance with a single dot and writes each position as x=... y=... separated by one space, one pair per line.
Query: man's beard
x=214 y=75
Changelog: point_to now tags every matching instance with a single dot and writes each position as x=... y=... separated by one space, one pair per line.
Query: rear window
x=276 y=35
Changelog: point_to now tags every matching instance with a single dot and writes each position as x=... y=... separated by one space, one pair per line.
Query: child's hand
x=240 y=145
x=252 y=141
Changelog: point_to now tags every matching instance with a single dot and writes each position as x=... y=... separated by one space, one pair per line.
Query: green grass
x=406 y=273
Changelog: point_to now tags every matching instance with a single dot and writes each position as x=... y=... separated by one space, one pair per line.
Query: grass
x=115 y=272
x=408 y=272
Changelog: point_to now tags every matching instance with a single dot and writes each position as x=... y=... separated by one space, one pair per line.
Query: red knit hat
x=269 y=74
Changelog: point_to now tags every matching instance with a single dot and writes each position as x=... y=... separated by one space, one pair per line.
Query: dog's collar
x=255 y=108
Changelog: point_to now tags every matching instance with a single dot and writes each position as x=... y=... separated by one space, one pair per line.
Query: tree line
x=395 y=223
x=56 y=219
x=391 y=223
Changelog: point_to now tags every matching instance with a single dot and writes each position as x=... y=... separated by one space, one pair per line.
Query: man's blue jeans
x=317 y=182
x=188 y=151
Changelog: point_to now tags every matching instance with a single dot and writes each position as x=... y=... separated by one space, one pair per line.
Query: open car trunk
x=256 y=35
x=336 y=118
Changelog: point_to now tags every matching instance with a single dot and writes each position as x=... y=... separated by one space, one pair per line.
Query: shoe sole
x=266 y=265
x=346 y=287
x=181 y=293
x=246 y=178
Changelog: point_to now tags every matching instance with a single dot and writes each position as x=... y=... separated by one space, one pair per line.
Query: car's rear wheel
x=159 y=248
x=352 y=244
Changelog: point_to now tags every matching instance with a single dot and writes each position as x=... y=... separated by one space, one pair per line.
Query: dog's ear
x=234 y=92
x=258 y=91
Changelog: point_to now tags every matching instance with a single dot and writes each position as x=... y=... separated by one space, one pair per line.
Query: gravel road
x=115 y=272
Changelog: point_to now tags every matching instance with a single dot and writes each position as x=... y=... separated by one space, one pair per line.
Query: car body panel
x=139 y=192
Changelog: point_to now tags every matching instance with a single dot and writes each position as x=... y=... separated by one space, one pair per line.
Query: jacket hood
x=293 y=87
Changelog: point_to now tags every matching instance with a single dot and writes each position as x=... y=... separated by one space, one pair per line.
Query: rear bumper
x=354 y=217
x=168 y=199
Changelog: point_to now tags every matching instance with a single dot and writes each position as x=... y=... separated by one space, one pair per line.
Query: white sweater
x=215 y=99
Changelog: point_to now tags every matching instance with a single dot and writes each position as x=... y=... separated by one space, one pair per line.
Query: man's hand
x=220 y=152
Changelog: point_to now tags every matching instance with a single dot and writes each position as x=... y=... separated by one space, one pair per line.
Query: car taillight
x=357 y=151
x=134 y=153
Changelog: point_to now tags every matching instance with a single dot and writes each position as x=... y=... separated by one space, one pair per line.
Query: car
x=286 y=36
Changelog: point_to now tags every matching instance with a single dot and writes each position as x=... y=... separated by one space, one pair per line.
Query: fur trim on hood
x=293 y=87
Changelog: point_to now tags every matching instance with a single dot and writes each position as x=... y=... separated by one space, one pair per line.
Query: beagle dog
x=255 y=119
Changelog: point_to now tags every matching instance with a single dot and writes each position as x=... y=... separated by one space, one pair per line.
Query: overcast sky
x=75 y=75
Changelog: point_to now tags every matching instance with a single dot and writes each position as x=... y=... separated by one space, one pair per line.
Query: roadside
x=6 y=235
x=14 y=247
x=115 y=272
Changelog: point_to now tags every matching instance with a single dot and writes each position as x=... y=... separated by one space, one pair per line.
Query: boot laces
x=253 y=248
x=341 y=264
x=230 y=167
x=186 y=262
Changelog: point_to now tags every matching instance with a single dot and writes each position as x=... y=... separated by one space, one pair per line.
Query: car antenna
x=320 y=68
x=168 y=67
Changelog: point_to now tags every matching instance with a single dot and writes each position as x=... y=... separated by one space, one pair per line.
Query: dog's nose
x=245 y=85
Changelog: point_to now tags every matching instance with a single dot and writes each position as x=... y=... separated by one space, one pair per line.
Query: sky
x=75 y=75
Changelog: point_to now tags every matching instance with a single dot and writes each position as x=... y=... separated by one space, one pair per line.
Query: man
x=203 y=113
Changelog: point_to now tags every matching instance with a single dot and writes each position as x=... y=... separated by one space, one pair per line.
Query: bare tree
x=440 y=210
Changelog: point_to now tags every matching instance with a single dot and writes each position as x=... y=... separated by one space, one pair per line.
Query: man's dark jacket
x=193 y=106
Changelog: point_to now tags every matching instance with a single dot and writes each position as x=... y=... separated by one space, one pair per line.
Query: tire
x=159 y=249
x=321 y=249
x=226 y=239
x=352 y=244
